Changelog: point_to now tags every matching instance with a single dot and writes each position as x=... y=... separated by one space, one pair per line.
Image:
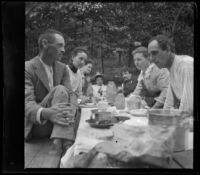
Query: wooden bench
x=40 y=154
x=182 y=160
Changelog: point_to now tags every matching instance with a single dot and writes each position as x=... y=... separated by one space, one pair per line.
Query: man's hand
x=60 y=113
x=157 y=105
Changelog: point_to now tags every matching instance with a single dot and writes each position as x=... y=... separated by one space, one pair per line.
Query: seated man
x=180 y=91
x=129 y=84
x=48 y=92
x=99 y=89
x=152 y=81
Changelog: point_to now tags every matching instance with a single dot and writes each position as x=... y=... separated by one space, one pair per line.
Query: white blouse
x=76 y=81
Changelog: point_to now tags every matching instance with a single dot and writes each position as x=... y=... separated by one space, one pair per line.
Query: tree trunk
x=101 y=57
x=119 y=63
x=91 y=40
x=175 y=22
x=58 y=21
x=75 y=33
x=130 y=59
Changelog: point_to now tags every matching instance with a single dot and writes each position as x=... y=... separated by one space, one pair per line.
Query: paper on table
x=137 y=121
x=67 y=160
x=85 y=144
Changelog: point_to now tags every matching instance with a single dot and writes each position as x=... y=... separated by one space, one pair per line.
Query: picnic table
x=40 y=153
x=87 y=138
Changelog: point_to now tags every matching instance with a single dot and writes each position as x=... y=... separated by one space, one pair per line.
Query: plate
x=97 y=125
x=87 y=106
x=121 y=117
x=138 y=112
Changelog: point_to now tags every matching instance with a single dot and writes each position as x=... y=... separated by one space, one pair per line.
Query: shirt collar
x=73 y=68
x=173 y=64
x=44 y=63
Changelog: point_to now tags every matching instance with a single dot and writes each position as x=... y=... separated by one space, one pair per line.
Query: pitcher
x=111 y=92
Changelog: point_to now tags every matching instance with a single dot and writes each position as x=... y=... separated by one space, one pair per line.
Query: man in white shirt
x=180 y=90
x=47 y=92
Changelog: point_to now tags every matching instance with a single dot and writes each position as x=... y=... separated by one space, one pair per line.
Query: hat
x=98 y=74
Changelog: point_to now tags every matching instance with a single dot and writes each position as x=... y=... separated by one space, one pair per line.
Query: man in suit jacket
x=48 y=93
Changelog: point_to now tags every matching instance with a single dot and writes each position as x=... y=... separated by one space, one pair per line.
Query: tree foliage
x=109 y=30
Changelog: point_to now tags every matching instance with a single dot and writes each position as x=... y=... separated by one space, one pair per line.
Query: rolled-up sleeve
x=186 y=102
x=169 y=102
x=31 y=107
x=162 y=84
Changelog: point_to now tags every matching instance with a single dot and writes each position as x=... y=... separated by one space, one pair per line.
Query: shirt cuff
x=38 y=117
x=159 y=100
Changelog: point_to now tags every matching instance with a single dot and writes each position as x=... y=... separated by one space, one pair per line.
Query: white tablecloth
x=88 y=137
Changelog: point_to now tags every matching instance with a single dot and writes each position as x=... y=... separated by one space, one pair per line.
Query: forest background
x=110 y=31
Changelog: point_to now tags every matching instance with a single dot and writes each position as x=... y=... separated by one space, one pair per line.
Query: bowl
x=100 y=123
x=139 y=112
x=102 y=115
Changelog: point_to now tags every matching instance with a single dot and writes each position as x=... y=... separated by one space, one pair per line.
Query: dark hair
x=127 y=69
x=49 y=36
x=77 y=50
x=164 y=42
x=142 y=50
x=88 y=61
x=98 y=76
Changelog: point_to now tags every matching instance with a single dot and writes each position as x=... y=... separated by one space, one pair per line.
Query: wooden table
x=183 y=160
x=85 y=136
x=40 y=154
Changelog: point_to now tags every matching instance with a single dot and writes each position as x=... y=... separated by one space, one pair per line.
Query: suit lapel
x=57 y=73
x=41 y=73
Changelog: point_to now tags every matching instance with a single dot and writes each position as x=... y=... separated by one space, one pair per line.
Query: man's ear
x=44 y=43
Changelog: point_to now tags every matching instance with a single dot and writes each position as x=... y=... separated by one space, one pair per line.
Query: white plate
x=138 y=112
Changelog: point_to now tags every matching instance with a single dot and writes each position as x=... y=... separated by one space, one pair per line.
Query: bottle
x=134 y=102
x=111 y=92
x=120 y=100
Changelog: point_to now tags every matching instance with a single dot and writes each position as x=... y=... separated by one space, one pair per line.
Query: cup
x=181 y=138
x=102 y=115
x=70 y=116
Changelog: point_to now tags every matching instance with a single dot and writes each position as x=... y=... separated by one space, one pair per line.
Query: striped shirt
x=181 y=81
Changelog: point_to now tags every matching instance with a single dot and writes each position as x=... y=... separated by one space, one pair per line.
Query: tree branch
x=176 y=20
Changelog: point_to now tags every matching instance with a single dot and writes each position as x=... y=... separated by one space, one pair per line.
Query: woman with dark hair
x=87 y=91
x=129 y=84
x=152 y=81
x=78 y=57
